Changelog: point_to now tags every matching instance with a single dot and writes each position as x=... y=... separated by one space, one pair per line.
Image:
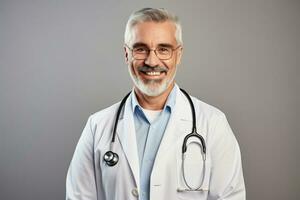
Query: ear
x=126 y=54
x=178 y=55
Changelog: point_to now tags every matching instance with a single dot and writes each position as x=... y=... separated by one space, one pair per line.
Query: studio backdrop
x=61 y=61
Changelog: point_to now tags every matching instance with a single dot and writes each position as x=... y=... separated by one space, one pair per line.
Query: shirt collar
x=170 y=103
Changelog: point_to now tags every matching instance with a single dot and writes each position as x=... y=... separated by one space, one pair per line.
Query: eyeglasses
x=142 y=52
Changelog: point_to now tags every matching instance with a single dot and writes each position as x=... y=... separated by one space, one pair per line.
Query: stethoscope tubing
x=111 y=158
x=118 y=115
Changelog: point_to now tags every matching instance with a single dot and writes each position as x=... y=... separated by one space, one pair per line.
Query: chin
x=151 y=87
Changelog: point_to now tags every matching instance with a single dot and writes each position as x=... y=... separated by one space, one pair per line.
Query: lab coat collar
x=127 y=136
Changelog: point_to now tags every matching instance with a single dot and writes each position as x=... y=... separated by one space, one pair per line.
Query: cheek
x=135 y=64
x=170 y=65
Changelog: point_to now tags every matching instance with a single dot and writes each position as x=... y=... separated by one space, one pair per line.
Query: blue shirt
x=148 y=136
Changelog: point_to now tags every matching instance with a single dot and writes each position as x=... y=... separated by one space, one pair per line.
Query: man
x=147 y=158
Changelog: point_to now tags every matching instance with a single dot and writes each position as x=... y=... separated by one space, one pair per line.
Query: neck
x=153 y=102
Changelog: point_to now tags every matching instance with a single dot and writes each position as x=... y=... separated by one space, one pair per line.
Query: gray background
x=61 y=61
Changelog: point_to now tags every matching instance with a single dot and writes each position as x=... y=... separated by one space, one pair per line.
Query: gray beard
x=151 y=87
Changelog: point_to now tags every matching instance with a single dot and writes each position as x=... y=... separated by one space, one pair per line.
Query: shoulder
x=206 y=108
x=208 y=115
x=103 y=116
x=203 y=110
x=214 y=120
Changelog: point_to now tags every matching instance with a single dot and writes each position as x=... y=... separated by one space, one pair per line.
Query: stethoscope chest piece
x=111 y=158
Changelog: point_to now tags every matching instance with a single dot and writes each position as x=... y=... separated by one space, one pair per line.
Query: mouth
x=153 y=74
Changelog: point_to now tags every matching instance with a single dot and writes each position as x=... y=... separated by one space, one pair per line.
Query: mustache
x=147 y=68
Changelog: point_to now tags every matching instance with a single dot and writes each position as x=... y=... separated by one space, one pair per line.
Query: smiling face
x=153 y=76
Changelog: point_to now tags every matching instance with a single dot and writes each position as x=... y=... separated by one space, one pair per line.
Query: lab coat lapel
x=180 y=123
x=127 y=137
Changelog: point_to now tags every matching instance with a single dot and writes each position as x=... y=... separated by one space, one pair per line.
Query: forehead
x=154 y=33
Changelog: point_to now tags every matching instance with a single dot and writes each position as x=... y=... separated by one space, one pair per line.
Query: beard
x=152 y=87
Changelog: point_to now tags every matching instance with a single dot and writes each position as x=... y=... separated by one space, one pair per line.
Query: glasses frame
x=149 y=50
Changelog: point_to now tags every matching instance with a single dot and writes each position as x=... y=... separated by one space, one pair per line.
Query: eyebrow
x=165 y=45
x=141 y=44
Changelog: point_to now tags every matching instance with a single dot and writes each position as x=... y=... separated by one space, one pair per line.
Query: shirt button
x=135 y=192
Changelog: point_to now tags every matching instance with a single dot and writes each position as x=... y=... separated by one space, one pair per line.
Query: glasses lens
x=140 y=53
x=164 y=52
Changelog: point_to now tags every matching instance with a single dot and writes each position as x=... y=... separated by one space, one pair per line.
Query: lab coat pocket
x=113 y=176
x=193 y=173
x=117 y=181
x=110 y=173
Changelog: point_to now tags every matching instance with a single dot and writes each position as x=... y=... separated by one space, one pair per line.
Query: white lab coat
x=89 y=178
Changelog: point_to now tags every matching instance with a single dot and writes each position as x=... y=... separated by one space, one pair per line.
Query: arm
x=227 y=181
x=80 y=182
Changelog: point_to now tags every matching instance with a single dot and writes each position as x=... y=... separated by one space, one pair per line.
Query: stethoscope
x=111 y=158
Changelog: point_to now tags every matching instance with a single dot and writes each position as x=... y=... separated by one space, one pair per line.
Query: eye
x=163 y=50
x=140 y=50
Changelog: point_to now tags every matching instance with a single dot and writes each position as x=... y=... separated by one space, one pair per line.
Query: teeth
x=153 y=73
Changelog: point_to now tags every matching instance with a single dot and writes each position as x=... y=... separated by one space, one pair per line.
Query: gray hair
x=152 y=15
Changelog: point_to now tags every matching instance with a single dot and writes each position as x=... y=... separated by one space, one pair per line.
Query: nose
x=152 y=60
